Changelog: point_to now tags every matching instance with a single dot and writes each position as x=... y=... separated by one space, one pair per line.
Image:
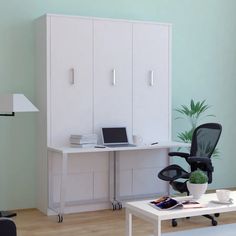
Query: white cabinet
x=112 y=74
x=137 y=173
x=151 y=73
x=71 y=81
x=71 y=107
x=94 y=73
x=87 y=180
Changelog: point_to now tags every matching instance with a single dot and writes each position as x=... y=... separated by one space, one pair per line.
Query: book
x=83 y=139
x=168 y=203
x=75 y=141
x=86 y=145
x=84 y=136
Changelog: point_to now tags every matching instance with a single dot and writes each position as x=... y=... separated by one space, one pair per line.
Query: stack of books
x=83 y=140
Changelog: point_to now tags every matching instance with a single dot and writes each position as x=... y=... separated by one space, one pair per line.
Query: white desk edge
x=71 y=150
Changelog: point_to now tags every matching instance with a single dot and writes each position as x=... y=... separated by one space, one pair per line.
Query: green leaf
x=193 y=113
x=185 y=136
x=195 y=110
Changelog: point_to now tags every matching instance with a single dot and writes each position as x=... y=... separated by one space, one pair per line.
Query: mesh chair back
x=204 y=140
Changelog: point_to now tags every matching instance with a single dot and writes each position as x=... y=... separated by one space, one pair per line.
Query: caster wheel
x=174 y=223
x=214 y=222
x=60 y=218
x=217 y=214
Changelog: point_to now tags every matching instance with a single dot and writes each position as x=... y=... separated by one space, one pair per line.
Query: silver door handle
x=113 y=77
x=74 y=74
x=151 y=79
x=72 y=81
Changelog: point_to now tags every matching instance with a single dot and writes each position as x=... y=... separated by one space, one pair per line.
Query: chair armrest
x=179 y=154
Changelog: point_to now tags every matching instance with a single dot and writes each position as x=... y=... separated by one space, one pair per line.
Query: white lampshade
x=15 y=103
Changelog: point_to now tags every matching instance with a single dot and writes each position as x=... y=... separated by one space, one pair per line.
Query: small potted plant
x=197 y=184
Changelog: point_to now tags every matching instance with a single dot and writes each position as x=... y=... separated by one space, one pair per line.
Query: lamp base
x=7 y=214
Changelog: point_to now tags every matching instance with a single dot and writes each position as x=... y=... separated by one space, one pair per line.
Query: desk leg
x=114 y=181
x=157 y=228
x=63 y=187
x=128 y=223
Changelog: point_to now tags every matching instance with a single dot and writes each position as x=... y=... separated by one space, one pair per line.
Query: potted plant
x=197 y=183
x=193 y=113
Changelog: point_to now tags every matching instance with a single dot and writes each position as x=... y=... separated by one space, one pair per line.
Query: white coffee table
x=143 y=210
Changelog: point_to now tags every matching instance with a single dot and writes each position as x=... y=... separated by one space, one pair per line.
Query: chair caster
x=174 y=223
x=60 y=218
x=119 y=205
x=214 y=223
x=116 y=205
x=217 y=214
x=113 y=206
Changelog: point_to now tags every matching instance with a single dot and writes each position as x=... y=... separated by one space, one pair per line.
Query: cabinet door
x=151 y=81
x=137 y=173
x=71 y=88
x=87 y=177
x=112 y=74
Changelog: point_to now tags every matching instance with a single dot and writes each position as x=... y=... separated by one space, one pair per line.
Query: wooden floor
x=100 y=223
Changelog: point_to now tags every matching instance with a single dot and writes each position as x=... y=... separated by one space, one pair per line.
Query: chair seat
x=173 y=172
x=179 y=186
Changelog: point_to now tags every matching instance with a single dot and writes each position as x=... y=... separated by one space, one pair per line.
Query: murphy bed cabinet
x=93 y=73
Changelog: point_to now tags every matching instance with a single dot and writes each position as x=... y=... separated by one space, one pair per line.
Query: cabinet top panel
x=108 y=19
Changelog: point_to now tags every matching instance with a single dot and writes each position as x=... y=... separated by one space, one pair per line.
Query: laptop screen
x=114 y=135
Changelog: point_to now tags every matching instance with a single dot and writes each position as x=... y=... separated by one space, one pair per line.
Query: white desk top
x=71 y=150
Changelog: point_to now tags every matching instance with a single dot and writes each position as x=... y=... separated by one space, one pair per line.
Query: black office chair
x=204 y=140
x=7 y=227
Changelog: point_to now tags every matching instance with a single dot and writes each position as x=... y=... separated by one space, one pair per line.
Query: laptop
x=115 y=137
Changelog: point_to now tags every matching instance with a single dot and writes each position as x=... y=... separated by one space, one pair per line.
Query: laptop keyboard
x=121 y=145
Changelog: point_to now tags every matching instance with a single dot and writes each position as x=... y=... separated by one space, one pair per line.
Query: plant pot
x=197 y=190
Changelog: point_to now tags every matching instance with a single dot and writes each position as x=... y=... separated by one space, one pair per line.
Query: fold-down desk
x=64 y=154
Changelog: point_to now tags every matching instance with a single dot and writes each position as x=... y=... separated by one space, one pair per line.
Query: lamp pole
x=9 y=104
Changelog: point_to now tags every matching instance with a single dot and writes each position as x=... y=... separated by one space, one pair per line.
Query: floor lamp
x=9 y=104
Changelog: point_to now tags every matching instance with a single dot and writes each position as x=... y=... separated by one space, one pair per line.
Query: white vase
x=197 y=190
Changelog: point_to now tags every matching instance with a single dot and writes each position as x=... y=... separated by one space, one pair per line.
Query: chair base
x=213 y=221
x=7 y=214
